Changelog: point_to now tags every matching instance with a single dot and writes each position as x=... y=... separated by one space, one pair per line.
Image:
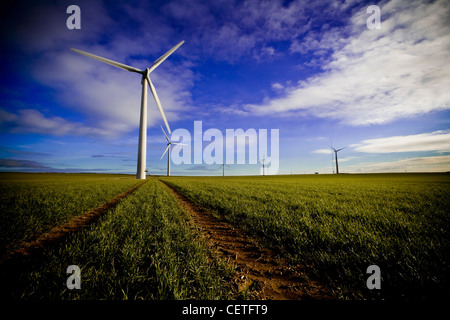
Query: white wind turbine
x=223 y=168
x=263 y=163
x=336 y=157
x=169 y=143
x=142 y=150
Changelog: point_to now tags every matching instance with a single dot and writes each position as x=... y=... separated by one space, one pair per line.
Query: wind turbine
x=142 y=150
x=223 y=169
x=169 y=143
x=336 y=157
x=262 y=161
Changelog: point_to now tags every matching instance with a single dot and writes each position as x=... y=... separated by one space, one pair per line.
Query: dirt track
x=259 y=270
x=59 y=233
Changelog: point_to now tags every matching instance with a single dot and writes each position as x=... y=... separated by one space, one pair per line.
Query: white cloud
x=110 y=98
x=106 y=97
x=33 y=121
x=434 y=141
x=377 y=76
x=419 y=164
x=277 y=86
x=231 y=31
x=322 y=151
x=346 y=159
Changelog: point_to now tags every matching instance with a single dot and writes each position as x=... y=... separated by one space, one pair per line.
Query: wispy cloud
x=434 y=141
x=203 y=168
x=108 y=99
x=377 y=76
x=322 y=151
x=230 y=31
x=33 y=121
x=417 y=164
x=277 y=86
x=36 y=166
x=17 y=163
x=347 y=159
x=22 y=152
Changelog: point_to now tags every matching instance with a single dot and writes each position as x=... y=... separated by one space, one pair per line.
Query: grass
x=31 y=204
x=339 y=225
x=143 y=249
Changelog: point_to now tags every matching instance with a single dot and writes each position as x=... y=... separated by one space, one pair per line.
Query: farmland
x=147 y=248
x=340 y=225
x=142 y=249
x=33 y=203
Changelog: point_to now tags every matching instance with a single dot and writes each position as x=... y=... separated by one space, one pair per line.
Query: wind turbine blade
x=167 y=138
x=180 y=144
x=164 y=57
x=158 y=103
x=165 y=152
x=341 y=149
x=111 y=62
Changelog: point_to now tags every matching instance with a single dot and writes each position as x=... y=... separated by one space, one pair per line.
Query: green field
x=340 y=225
x=31 y=204
x=143 y=249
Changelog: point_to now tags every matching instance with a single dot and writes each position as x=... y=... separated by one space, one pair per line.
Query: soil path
x=261 y=271
x=59 y=233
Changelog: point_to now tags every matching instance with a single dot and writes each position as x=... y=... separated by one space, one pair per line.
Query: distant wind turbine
x=223 y=169
x=262 y=161
x=336 y=157
x=142 y=150
x=169 y=143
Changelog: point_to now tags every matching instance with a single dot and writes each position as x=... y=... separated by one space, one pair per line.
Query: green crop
x=142 y=249
x=145 y=248
x=31 y=204
x=339 y=225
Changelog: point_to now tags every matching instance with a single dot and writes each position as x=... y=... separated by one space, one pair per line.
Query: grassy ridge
x=339 y=225
x=143 y=249
x=31 y=204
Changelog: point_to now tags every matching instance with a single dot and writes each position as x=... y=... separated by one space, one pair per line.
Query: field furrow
x=147 y=245
x=32 y=204
x=260 y=272
x=141 y=249
x=338 y=226
x=61 y=232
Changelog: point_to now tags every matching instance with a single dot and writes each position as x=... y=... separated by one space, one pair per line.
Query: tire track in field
x=59 y=233
x=259 y=270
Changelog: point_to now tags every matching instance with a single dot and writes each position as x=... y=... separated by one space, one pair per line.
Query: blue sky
x=311 y=69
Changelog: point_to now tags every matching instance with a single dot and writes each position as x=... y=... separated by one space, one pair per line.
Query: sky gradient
x=312 y=70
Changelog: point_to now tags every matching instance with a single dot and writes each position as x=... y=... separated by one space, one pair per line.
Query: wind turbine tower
x=169 y=143
x=336 y=157
x=223 y=169
x=262 y=161
x=142 y=150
